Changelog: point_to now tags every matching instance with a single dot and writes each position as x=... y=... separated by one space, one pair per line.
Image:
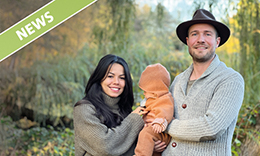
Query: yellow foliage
x=35 y=149
x=46 y=148
x=256 y=31
x=231 y=46
x=146 y=9
x=55 y=52
x=29 y=153
x=233 y=23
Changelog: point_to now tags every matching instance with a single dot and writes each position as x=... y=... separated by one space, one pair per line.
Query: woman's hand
x=140 y=111
x=159 y=146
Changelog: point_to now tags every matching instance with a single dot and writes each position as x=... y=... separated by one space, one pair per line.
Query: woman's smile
x=114 y=82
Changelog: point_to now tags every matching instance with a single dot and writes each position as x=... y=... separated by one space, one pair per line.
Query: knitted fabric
x=206 y=125
x=96 y=139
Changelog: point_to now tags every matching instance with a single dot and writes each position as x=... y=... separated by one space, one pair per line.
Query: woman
x=104 y=122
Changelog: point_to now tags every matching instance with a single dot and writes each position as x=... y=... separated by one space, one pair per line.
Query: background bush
x=40 y=84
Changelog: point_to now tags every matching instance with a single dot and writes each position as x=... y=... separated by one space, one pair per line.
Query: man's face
x=202 y=41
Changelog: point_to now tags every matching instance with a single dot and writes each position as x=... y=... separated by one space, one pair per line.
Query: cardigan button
x=174 y=144
x=184 y=106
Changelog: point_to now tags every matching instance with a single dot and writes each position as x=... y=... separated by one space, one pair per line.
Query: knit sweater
x=99 y=140
x=206 y=125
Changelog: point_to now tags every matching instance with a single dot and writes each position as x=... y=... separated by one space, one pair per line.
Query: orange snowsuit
x=155 y=82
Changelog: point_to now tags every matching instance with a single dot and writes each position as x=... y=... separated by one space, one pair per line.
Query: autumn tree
x=249 y=36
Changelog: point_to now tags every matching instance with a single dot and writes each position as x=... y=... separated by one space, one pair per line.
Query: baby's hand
x=157 y=128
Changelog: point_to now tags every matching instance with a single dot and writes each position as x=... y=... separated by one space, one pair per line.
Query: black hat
x=203 y=16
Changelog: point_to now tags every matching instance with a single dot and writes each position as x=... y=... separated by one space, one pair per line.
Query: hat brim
x=222 y=29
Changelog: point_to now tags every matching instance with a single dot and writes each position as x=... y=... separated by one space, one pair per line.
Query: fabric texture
x=155 y=82
x=146 y=139
x=96 y=139
x=206 y=124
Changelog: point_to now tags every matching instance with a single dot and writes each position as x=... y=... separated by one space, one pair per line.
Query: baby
x=155 y=81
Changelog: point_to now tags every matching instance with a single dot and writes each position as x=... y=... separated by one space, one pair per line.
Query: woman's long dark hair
x=93 y=91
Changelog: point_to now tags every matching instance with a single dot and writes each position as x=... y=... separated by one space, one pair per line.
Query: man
x=207 y=95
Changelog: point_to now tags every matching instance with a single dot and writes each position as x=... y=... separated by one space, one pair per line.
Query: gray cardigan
x=206 y=126
x=98 y=140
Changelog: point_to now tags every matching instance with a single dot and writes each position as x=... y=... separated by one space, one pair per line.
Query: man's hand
x=159 y=146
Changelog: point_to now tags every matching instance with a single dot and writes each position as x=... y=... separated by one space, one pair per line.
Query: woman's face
x=113 y=85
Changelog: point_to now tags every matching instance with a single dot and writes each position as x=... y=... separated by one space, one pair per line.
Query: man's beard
x=205 y=58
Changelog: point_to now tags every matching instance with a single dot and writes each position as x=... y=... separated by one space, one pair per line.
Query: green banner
x=38 y=23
